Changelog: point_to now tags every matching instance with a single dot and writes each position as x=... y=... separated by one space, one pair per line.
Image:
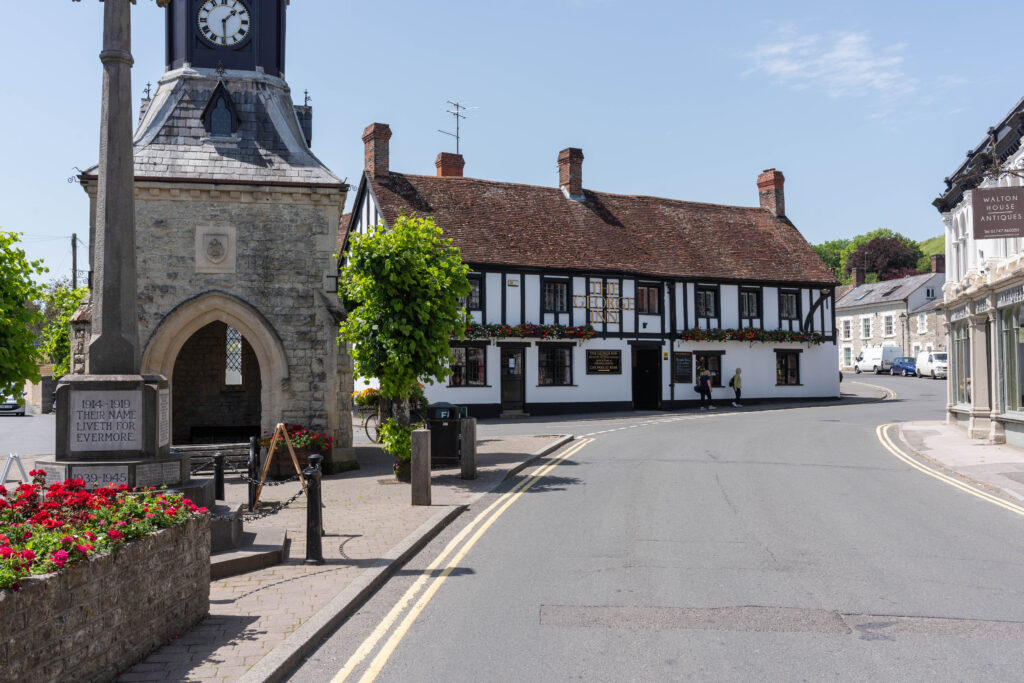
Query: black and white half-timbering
x=585 y=300
x=982 y=208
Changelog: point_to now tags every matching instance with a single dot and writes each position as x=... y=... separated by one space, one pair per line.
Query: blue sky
x=864 y=106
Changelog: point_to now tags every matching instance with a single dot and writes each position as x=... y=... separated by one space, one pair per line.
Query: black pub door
x=646 y=379
x=512 y=388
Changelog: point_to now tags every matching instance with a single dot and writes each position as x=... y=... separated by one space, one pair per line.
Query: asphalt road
x=730 y=545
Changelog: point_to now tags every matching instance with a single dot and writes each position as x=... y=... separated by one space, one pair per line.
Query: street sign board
x=998 y=212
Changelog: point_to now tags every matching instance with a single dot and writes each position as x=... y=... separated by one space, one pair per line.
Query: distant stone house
x=891 y=313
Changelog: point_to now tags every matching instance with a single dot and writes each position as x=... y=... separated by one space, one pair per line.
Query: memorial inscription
x=105 y=420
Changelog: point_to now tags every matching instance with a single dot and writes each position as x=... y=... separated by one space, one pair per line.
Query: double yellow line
x=882 y=431
x=484 y=522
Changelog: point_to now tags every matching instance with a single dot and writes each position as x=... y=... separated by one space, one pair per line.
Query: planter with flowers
x=304 y=441
x=80 y=562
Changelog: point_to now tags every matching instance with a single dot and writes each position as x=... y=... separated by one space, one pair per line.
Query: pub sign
x=604 y=362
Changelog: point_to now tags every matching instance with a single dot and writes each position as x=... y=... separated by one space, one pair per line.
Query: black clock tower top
x=245 y=35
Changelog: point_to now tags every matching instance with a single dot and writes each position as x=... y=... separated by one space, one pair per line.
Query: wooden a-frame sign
x=279 y=433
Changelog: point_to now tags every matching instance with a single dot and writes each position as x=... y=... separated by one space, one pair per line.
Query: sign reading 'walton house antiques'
x=105 y=420
x=998 y=212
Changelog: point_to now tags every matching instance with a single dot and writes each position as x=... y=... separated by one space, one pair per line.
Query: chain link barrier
x=261 y=514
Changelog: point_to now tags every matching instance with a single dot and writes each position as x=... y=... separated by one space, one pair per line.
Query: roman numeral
x=245 y=22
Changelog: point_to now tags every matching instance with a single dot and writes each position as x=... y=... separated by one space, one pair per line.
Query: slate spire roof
x=529 y=226
x=268 y=146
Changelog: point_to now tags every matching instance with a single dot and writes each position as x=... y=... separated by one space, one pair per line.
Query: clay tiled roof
x=497 y=223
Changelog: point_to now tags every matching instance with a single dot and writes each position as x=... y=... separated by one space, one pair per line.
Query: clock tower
x=238 y=34
x=236 y=234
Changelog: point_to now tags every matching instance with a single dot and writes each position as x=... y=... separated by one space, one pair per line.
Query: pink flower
x=67 y=539
x=90 y=535
x=114 y=534
x=6 y=551
x=27 y=554
x=59 y=558
x=83 y=548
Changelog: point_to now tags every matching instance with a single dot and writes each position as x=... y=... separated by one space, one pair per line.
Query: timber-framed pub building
x=590 y=301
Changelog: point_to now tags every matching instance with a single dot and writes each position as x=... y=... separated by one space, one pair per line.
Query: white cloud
x=841 y=65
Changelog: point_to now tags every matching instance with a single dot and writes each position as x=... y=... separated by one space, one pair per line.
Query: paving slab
x=997 y=467
x=261 y=623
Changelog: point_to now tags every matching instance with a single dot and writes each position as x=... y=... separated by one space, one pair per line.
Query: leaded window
x=474 y=301
x=787 y=367
x=233 y=360
x=647 y=299
x=707 y=302
x=789 y=305
x=469 y=369
x=556 y=296
x=554 y=365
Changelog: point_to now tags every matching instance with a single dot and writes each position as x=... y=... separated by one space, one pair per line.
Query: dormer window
x=220 y=117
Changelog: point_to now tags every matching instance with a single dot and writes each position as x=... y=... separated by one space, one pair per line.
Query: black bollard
x=316 y=461
x=218 y=476
x=314 y=527
x=253 y=467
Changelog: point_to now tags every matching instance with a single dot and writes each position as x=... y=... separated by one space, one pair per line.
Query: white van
x=932 y=364
x=877 y=359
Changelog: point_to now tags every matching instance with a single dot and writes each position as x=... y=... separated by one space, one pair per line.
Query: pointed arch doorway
x=191 y=349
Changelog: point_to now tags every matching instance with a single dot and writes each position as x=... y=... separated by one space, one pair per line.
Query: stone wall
x=206 y=410
x=271 y=250
x=95 y=619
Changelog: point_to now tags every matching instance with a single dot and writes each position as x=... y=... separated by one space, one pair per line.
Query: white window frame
x=847 y=324
x=922 y=323
x=889 y=326
x=870 y=326
x=847 y=356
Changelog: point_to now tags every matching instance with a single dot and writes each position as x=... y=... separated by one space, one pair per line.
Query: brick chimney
x=375 y=150
x=938 y=263
x=858 y=276
x=769 y=190
x=449 y=165
x=570 y=172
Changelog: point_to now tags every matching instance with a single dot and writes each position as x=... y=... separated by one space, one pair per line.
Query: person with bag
x=704 y=387
x=737 y=384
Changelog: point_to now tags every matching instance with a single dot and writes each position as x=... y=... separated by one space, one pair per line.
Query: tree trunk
x=400 y=406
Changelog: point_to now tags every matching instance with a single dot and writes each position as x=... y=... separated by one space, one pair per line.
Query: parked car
x=877 y=359
x=10 y=406
x=904 y=365
x=932 y=364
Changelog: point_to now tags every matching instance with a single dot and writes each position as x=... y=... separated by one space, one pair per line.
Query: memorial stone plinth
x=115 y=429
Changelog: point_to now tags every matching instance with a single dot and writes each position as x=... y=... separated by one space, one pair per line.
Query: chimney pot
x=375 y=149
x=769 y=191
x=570 y=172
x=449 y=165
x=938 y=263
x=858 y=276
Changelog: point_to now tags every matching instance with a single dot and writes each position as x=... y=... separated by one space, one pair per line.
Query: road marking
x=883 y=436
x=889 y=393
x=486 y=519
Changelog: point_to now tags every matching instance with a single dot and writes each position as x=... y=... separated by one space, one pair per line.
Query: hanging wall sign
x=998 y=212
x=604 y=362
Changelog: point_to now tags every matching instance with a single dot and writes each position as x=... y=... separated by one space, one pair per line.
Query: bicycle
x=373 y=421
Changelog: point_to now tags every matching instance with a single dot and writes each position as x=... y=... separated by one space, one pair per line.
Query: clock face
x=223 y=22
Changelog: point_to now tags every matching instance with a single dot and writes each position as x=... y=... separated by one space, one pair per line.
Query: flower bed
x=752 y=335
x=105 y=577
x=42 y=531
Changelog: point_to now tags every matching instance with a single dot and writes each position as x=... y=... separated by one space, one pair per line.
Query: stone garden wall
x=96 y=618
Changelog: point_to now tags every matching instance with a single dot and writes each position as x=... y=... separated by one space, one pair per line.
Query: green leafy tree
x=402 y=288
x=60 y=303
x=883 y=255
x=859 y=241
x=831 y=253
x=18 y=353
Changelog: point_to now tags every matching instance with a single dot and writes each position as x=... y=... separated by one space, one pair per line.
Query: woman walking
x=704 y=387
